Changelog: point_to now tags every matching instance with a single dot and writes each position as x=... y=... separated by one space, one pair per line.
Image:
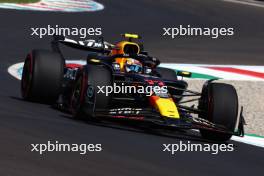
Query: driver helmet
x=133 y=65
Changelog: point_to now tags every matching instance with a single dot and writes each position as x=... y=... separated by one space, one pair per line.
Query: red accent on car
x=151 y=82
x=152 y=100
x=129 y=117
x=74 y=65
x=161 y=83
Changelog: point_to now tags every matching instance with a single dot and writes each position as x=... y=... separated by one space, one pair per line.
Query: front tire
x=219 y=103
x=87 y=101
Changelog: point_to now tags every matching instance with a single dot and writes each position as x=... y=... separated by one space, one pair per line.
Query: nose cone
x=165 y=106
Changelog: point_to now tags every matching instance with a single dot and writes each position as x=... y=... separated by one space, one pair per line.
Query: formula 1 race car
x=122 y=81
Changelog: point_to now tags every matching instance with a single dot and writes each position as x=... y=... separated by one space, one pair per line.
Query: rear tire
x=219 y=103
x=42 y=76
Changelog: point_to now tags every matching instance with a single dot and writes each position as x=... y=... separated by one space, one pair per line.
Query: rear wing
x=99 y=46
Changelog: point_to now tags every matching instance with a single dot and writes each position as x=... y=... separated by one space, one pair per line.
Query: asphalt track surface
x=126 y=151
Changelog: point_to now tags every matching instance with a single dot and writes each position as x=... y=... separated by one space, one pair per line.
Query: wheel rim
x=76 y=97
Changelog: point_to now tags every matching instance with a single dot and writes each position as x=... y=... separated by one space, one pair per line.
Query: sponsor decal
x=90 y=91
x=125 y=111
x=57 y=5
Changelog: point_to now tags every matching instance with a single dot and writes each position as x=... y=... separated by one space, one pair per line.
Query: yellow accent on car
x=167 y=108
x=135 y=36
x=95 y=60
x=185 y=73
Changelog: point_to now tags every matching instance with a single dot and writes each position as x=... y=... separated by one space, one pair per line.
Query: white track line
x=201 y=69
x=248 y=2
x=256 y=141
x=57 y=5
x=13 y=70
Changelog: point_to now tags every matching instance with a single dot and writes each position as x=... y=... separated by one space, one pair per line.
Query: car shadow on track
x=139 y=127
x=134 y=126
